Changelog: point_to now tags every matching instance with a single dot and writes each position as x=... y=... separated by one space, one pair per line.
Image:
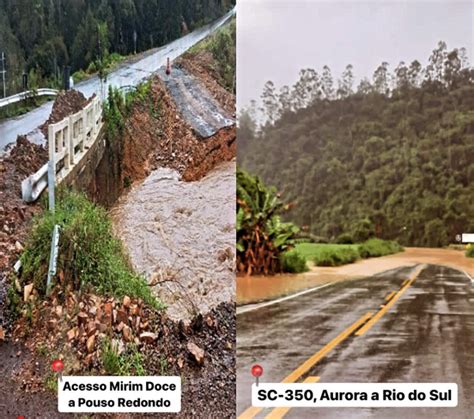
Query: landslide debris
x=100 y=335
x=66 y=103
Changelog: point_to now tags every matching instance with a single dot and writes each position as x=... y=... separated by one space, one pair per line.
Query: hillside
x=42 y=36
x=393 y=158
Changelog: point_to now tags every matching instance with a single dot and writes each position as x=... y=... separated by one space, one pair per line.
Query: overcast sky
x=276 y=38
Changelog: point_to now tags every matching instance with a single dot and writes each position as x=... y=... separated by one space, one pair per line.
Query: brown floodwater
x=181 y=236
x=253 y=289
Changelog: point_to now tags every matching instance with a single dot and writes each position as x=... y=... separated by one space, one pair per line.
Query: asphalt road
x=425 y=334
x=125 y=75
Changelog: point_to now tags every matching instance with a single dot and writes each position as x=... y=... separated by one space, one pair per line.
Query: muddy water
x=181 y=236
x=260 y=288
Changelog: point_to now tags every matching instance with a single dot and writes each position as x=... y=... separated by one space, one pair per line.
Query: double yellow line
x=360 y=327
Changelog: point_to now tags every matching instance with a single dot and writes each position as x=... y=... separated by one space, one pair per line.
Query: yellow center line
x=279 y=412
x=389 y=296
x=309 y=363
x=406 y=284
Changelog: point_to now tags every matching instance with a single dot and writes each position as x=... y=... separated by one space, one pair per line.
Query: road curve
x=129 y=74
x=425 y=335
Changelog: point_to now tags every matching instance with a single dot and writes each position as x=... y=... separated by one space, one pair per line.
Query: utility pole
x=3 y=73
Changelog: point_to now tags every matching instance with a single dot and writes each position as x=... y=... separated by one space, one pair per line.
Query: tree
x=270 y=102
x=381 y=79
x=346 y=83
x=327 y=83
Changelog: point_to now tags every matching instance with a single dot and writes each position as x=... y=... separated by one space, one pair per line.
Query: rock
x=126 y=301
x=197 y=352
x=27 y=291
x=90 y=343
x=122 y=316
x=148 y=337
x=82 y=318
x=71 y=334
x=18 y=247
x=127 y=333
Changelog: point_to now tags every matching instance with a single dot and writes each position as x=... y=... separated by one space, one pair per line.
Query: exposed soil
x=74 y=327
x=165 y=140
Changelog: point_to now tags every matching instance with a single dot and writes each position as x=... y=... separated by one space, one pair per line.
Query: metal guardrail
x=68 y=142
x=25 y=95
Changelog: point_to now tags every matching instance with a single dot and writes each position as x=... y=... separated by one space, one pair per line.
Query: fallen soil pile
x=86 y=331
x=23 y=159
x=65 y=104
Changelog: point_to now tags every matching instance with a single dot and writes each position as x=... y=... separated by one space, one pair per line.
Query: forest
x=392 y=157
x=40 y=37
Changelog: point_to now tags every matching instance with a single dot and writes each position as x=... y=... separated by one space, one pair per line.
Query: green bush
x=293 y=262
x=470 y=251
x=336 y=257
x=344 y=238
x=377 y=247
x=89 y=255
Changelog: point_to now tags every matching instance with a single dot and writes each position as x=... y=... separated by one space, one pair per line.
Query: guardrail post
x=72 y=135
x=51 y=166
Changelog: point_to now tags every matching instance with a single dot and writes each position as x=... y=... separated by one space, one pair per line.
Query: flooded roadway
x=426 y=336
x=182 y=235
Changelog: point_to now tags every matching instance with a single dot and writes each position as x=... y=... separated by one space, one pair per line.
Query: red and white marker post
x=257 y=372
x=57 y=365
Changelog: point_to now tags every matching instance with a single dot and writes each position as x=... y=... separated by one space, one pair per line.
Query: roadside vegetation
x=390 y=158
x=90 y=258
x=42 y=37
x=263 y=240
x=222 y=46
x=470 y=251
x=322 y=254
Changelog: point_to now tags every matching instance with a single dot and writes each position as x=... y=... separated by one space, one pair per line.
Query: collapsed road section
x=109 y=321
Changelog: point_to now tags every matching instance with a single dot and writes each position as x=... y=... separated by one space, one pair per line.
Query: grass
x=129 y=362
x=89 y=256
x=342 y=254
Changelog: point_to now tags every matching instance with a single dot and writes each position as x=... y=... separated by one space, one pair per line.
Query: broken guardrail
x=68 y=142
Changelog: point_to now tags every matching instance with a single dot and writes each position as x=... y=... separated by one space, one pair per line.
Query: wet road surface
x=426 y=335
x=197 y=106
x=129 y=74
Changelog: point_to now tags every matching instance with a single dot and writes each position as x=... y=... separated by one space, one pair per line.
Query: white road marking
x=257 y=306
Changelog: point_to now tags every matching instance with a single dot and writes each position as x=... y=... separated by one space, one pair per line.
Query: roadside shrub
x=293 y=262
x=332 y=256
x=377 y=247
x=470 y=251
x=89 y=255
x=344 y=238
